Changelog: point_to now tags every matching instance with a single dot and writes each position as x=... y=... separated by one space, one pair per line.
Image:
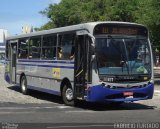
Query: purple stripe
x=48 y=61
x=68 y=67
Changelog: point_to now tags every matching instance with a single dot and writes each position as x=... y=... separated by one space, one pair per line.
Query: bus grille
x=135 y=95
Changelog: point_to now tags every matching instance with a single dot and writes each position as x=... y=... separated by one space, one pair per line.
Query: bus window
x=35 y=48
x=66 y=46
x=7 y=49
x=49 y=47
x=23 y=48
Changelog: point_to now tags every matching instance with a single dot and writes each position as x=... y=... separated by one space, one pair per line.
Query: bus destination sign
x=115 y=30
x=123 y=30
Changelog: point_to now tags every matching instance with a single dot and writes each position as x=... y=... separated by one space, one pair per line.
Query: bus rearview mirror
x=93 y=57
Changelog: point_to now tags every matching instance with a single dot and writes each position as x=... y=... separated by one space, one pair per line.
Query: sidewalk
x=157 y=75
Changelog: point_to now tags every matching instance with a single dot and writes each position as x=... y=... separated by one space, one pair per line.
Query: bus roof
x=87 y=26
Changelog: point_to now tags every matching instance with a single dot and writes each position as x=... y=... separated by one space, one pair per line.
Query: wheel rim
x=23 y=85
x=69 y=94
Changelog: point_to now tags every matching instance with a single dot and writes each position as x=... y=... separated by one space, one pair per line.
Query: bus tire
x=67 y=95
x=23 y=85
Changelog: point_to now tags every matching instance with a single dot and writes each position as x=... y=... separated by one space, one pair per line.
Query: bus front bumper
x=101 y=93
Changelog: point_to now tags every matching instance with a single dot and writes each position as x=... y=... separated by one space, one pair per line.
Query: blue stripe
x=7 y=60
x=2 y=49
x=44 y=90
x=48 y=61
x=51 y=66
x=2 y=44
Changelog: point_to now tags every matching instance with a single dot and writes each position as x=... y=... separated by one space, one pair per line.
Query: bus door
x=82 y=69
x=13 y=58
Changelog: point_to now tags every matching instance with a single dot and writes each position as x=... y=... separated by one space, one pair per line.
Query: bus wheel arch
x=23 y=84
x=67 y=92
x=22 y=74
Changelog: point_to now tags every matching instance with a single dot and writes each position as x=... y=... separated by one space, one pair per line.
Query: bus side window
x=66 y=46
x=7 y=49
x=23 y=48
x=49 y=47
x=35 y=47
x=60 y=53
x=72 y=55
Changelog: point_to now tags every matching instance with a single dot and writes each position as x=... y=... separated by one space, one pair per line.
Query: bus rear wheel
x=67 y=95
x=23 y=85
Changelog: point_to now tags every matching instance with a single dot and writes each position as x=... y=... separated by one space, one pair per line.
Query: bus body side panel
x=45 y=76
x=101 y=93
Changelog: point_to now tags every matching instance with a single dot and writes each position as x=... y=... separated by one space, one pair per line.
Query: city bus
x=106 y=62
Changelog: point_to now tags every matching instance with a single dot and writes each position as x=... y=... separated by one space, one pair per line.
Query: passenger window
x=23 y=48
x=66 y=47
x=35 y=48
x=7 y=49
x=49 y=47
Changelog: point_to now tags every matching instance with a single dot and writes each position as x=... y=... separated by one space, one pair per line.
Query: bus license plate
x=128 y=93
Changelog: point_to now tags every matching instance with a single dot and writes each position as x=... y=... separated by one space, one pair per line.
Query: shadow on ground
x=113 y=106
x=40 y=95
x=86 y=105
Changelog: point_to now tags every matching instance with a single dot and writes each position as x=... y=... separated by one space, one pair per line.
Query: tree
x=149 y=15
x=69 y=12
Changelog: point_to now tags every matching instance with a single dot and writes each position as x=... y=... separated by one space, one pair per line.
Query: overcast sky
x=16 y=13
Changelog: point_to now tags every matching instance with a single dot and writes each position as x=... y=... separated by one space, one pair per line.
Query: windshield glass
x=123 y=55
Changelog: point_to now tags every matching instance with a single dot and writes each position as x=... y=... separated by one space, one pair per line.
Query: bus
x=106 y=62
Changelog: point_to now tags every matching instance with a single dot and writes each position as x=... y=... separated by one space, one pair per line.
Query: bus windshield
x=123 y=55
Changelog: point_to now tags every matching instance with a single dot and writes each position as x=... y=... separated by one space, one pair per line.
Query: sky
x=16 y=13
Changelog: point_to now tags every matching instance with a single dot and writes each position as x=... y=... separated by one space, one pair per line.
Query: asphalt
x=44 y=111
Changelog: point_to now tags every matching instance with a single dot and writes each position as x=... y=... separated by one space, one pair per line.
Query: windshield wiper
x=122 y=63
x=126 y=62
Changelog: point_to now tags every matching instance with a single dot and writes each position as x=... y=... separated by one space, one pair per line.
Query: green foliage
x=123 y=10
x=69 y=12
x=149 y=15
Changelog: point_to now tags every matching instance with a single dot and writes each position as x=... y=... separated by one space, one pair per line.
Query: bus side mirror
x=92 y=42
x=92 y=49
x=92 y=52
x=92 y=58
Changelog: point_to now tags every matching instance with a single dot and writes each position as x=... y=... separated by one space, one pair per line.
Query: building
x=27 y=29
x=3 y=34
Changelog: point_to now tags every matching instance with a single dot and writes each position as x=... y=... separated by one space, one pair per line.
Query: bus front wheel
x=23 y=85
x=67 y=95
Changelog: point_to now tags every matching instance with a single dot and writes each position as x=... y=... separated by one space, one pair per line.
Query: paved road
x=84 y=113
x=48 y=109
x=93 y=114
